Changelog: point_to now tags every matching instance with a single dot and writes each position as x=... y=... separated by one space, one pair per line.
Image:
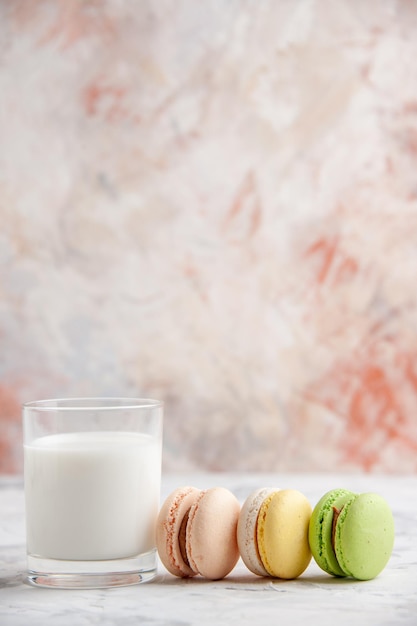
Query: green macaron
x=351 y=534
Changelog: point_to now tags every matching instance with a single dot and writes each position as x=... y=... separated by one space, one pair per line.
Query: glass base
x=57 y=574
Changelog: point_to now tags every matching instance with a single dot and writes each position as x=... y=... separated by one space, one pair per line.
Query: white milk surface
x=92 y=495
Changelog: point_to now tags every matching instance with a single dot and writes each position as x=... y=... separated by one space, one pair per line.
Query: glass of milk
x=92 y=488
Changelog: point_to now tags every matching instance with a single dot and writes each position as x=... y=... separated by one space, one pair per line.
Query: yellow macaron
x=279 y=534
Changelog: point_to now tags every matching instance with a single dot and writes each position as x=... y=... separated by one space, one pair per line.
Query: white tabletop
x=314 y=598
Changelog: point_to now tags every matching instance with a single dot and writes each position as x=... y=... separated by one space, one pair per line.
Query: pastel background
x=215 y=203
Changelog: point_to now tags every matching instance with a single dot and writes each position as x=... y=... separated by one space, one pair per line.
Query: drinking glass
x=92 y=469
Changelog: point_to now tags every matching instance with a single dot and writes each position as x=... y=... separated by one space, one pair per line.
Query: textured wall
x=215 y=203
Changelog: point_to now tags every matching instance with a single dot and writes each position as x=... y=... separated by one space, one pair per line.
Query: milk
x=91 y=495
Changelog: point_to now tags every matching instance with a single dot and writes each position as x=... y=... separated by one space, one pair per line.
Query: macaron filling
x=182 y=534
x=336 y=513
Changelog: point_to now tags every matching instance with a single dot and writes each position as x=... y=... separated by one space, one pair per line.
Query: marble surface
x=241 y=598
x=215 y=203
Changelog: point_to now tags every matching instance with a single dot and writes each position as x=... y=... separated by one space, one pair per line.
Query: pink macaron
x=196 y=532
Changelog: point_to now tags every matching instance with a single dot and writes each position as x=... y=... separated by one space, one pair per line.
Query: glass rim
x=92 y=403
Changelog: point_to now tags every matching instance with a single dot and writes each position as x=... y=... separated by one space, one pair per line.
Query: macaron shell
x=246 y=530
x=282 y=533
x=168 y=530
x=364 y=536
x=321 y=526
x=211 y=540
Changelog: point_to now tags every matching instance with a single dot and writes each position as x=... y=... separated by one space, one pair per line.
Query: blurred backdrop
x=215 y=204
